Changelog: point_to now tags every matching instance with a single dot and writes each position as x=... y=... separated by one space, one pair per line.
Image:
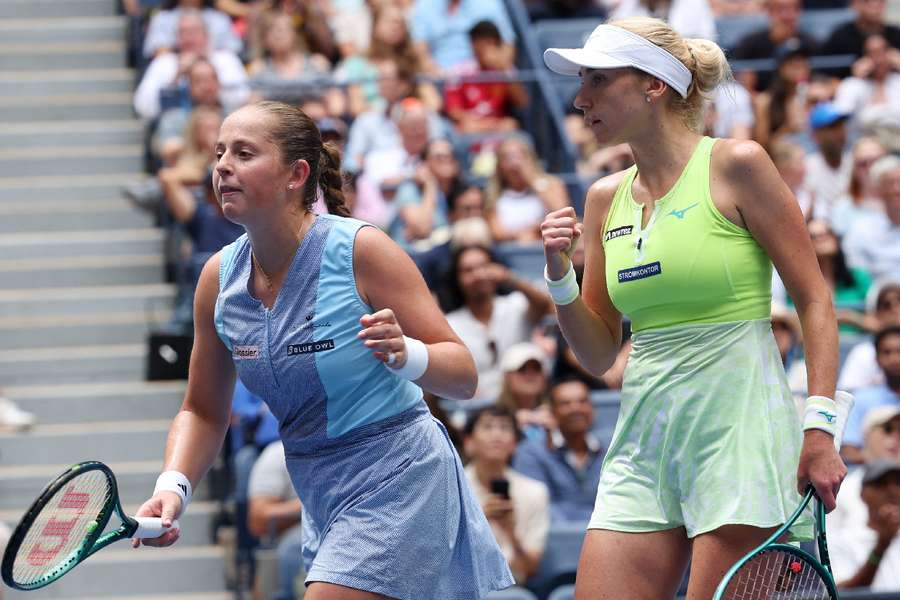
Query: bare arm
x=267 y=514
x=389 y=281
x=178 y=197
x=771 y=213
x=591 y=324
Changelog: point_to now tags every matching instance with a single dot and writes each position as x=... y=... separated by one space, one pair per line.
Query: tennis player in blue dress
x=330 y=322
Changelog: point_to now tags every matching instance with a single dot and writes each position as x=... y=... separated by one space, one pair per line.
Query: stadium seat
x=566 y=592
x=868 y=595
x=513 y=593
x=820 y=23
x=525 y=259
x=560 y=559
x=732 y=28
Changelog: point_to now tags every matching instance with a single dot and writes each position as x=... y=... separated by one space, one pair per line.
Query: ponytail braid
x=330 y=180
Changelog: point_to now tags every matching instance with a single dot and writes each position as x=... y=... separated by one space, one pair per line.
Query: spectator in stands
x=862 y=195
x=781 y=109
x=866 y=553
x=520 y=193
x=872 y=94
x=421 y=202
x=203 y=88
x=375 y=129
x=387 y=168
x=881 y=441
x=568 y=461
x=731 y=112
x=850 y=38
x=441 y=28
x=274 y=514
x=784 y=16
x=790 y=160
x=486 y=106
x=873 y=242
x=170 y=69
x=565 y=9
x=516 y=506
x=690 y=18
x=860 y=369
x=390 y=41
x=887 y=355
x=162 y=30
x=848 y=284
x=722 y=8
x=828 y=169
x=310 y=21
x=13 y=418
x=283 y=63
x=489 y=324
x=524 y=391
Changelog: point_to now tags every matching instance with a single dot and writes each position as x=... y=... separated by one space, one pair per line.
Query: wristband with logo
x=177 y=482
x=563 y=291
x=821 y=413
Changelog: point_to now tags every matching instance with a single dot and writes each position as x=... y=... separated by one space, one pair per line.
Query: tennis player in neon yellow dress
x=709 y=451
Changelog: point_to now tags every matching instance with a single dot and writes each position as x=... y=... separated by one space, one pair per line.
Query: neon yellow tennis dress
x=707 y=433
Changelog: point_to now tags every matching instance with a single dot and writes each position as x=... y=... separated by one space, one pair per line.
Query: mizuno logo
x=680 y=212
x=829 y=416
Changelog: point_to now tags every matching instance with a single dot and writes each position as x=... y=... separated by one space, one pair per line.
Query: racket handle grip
x=844 y=404
x=151 y=527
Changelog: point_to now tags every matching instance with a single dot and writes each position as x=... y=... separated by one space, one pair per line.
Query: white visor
x=611 y=47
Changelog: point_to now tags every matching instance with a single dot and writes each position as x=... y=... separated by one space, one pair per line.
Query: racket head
x=779 y=572
x=61 y=527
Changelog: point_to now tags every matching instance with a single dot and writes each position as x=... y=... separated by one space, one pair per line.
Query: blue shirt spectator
x=887 y=353
x=444 y=29
x=569 y=461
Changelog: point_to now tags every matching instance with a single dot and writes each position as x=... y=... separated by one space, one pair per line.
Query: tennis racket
x=65 y=526
x=775 y=571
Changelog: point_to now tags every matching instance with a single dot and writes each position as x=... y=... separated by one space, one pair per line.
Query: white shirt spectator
x=269 y=476
x=508 y=326
x=854 y=97
x=873 y=244
x=734 y=108
x=849 y=548
x=860 y=368
x=827 y=185
x=850 y=509
x=690 y=18
x=163 y=71
x=163 y=27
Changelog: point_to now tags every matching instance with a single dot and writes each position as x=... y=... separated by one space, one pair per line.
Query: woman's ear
x=654 y=88
x=299 y=174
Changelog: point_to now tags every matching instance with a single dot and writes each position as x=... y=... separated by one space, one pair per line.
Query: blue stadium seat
x=513 y=593
x=732 y=29
x=606 y=411
x=525 y=259
x=560 y=559
x=563 y=33
x=868 y=595
x=820 y=23
x=566 y=592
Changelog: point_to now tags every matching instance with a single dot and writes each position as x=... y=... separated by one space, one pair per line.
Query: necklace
x=263 y=271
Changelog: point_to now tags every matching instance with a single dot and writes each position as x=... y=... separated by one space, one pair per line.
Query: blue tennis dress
x=386 y=505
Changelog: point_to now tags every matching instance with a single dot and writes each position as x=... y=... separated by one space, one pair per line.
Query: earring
x=290 y=186
x=647 y=99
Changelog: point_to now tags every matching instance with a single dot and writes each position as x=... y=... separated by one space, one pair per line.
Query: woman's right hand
x=560 y=232
x=166 y=505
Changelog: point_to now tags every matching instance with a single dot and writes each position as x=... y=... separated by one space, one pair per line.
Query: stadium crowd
x=429 y=101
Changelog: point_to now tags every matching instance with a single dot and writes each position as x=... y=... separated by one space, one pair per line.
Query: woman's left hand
x=821 y=466
x=382 y=334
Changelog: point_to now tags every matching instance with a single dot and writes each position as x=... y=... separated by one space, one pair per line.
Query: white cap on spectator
x=516 y=357
x=879 y=416
x=611 y=47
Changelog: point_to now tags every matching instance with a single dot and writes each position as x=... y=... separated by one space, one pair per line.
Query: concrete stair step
x=70 y=215
x=78 y=330
x=44 y=134
x=39 y=82
x=195 y=524
x=86 y=402
x=21 y=192
x=50 y=244
x=73 y=29
x=80 y=270
x=71 y=160
x=23 y=56
x=84 y=364
x=106 y=441
x=27 y=9
x=65 y=107
x=15 y=595
x=119 y=569
x=27 y=303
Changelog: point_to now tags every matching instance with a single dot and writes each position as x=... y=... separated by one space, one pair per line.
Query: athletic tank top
x=690 y=264
x=302 y=356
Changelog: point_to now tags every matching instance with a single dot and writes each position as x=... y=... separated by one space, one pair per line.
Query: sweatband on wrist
x=821 y=413
x=416 y=359
x=563 y=291
x=177 y=482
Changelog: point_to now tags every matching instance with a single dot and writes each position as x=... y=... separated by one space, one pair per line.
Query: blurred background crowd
x=457 y=141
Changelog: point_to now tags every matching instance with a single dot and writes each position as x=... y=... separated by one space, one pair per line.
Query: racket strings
x=776 y=575
x=60 y=528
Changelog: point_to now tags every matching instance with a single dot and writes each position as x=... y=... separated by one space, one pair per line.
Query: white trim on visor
x=611 y=47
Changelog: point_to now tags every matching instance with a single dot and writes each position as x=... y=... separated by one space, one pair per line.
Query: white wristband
x=416 y=359
x=563 y=291
x=821 y=413
x=175 y=481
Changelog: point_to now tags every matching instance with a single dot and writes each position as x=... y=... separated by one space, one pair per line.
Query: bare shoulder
x=371 y=243
x=376 y=259
x=740 y=159
x=600 y=196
